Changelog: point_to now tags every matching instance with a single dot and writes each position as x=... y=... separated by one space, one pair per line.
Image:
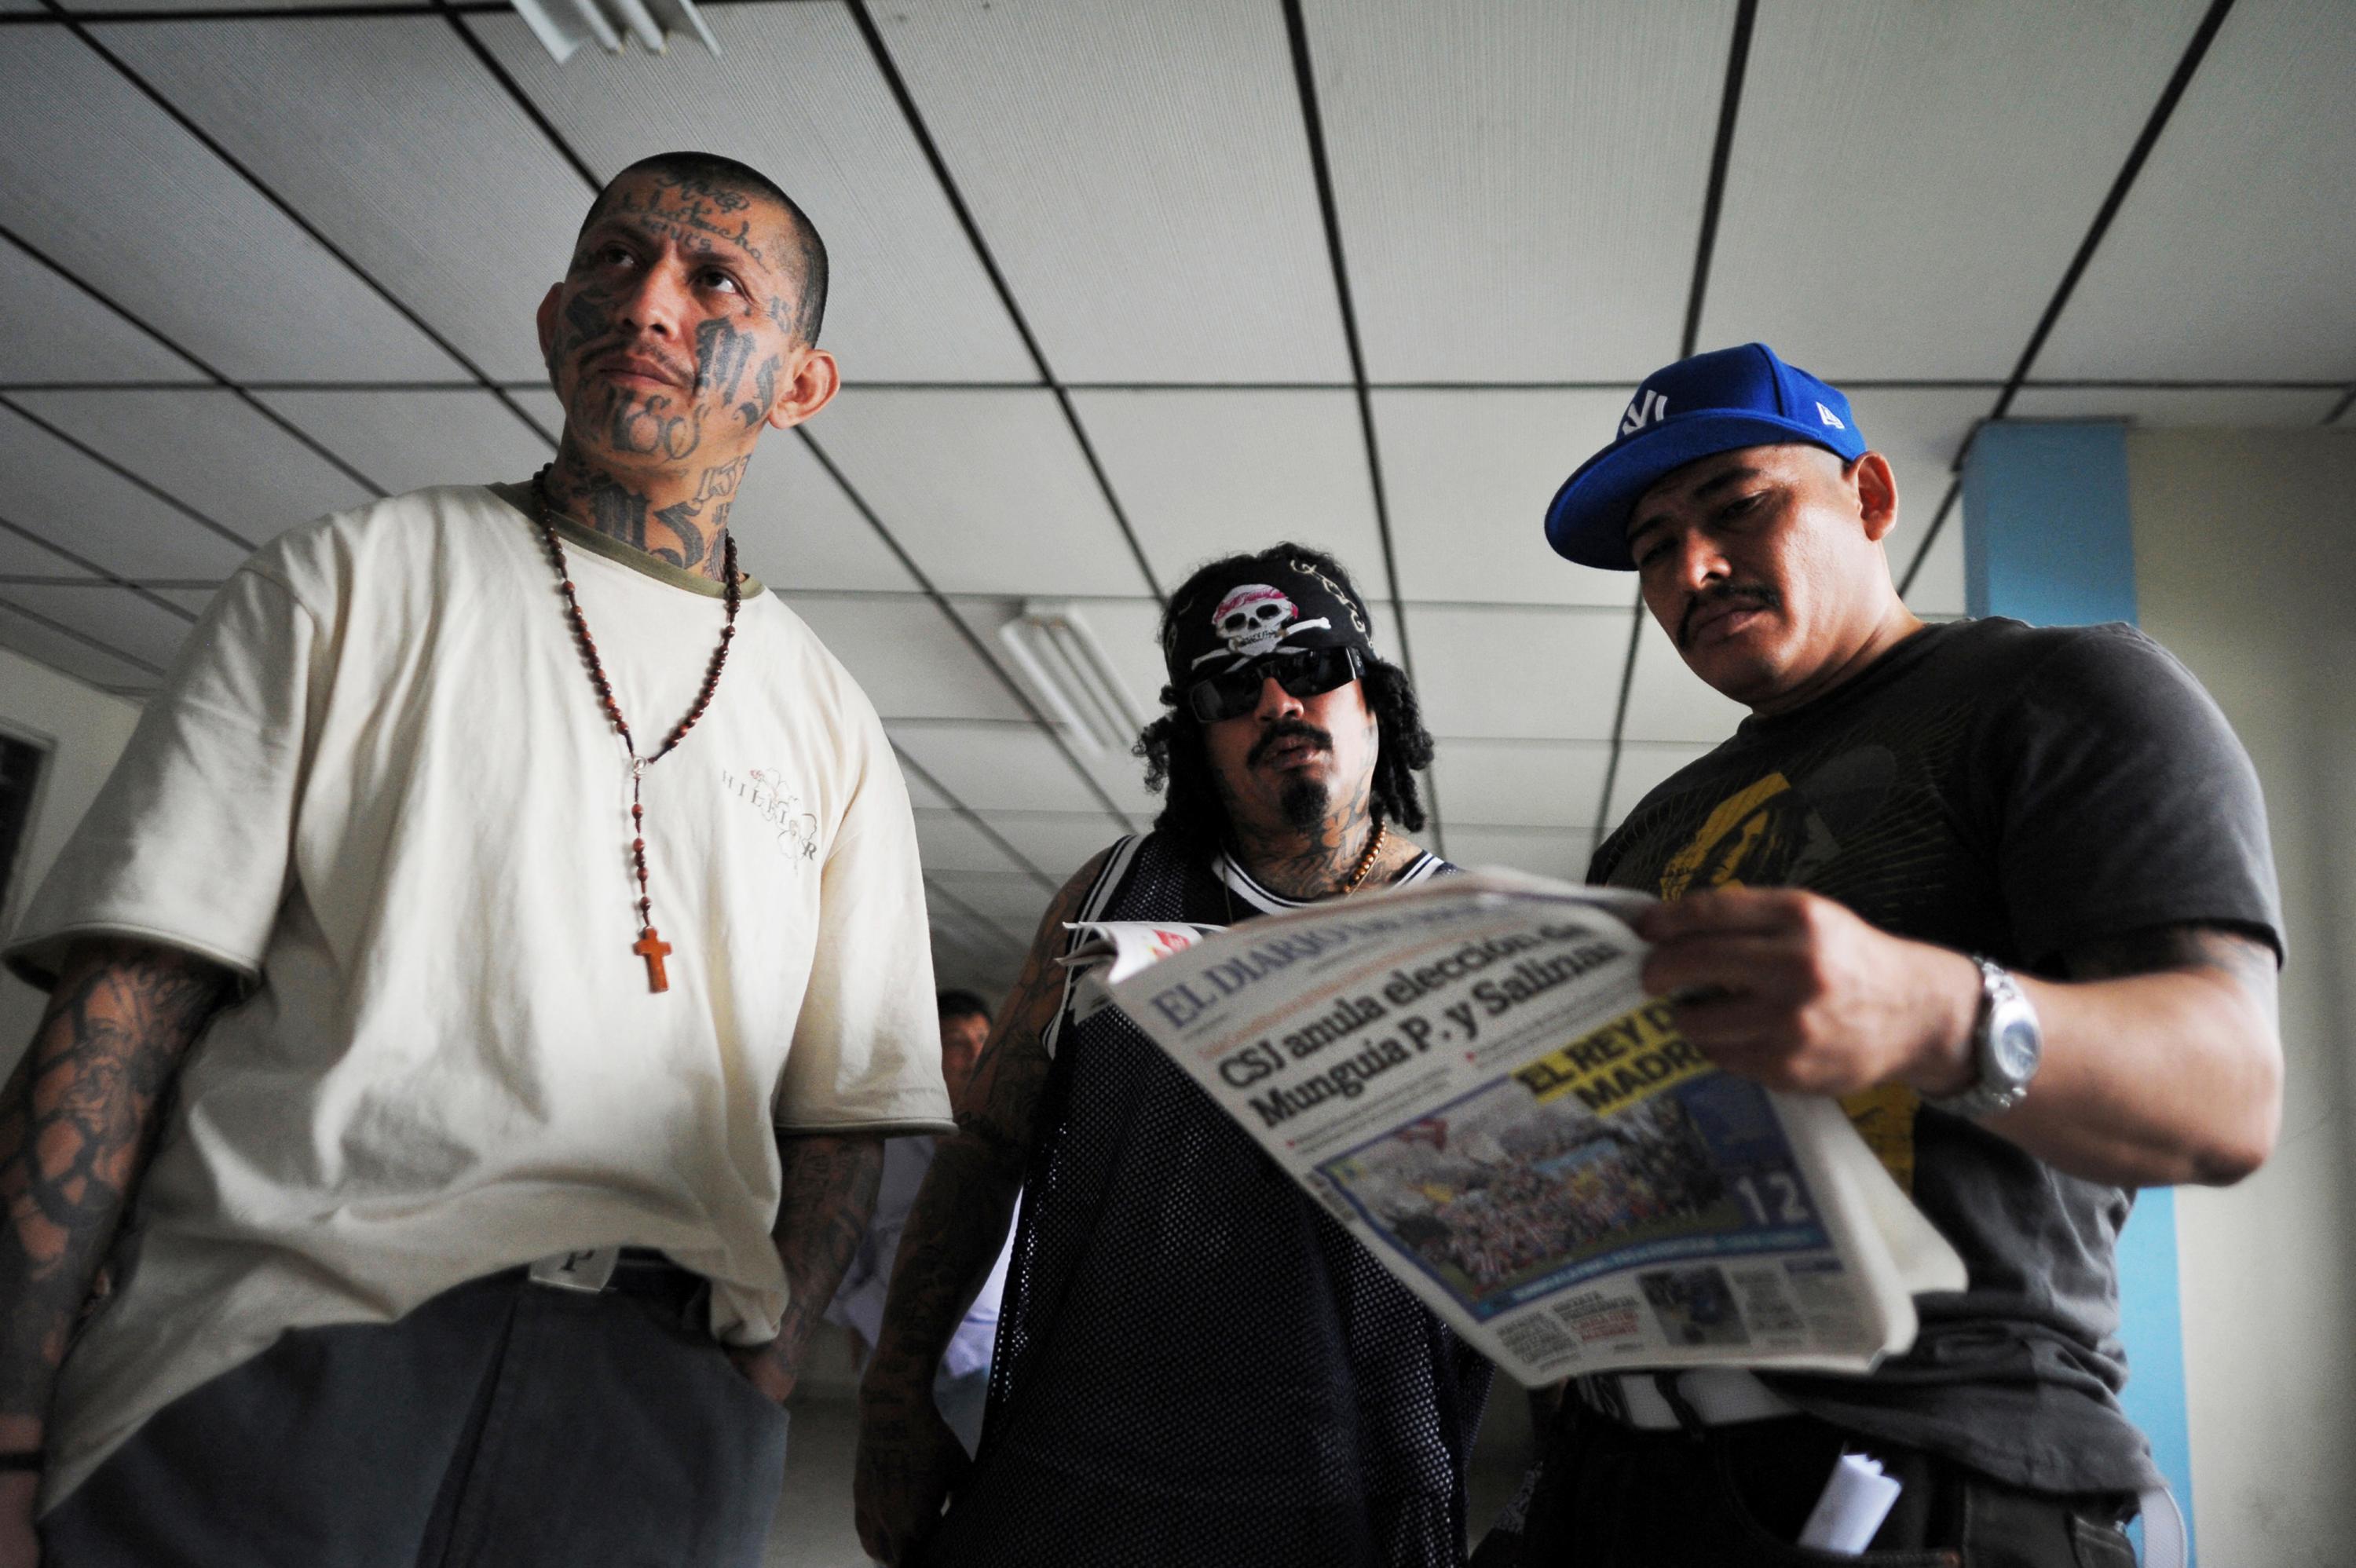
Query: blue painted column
x=2048 y=539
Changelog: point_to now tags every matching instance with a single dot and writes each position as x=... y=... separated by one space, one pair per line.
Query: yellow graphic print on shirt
x=1767 y=829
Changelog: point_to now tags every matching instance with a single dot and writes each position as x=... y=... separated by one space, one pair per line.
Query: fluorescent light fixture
x=1065 y=668
x=563 y=25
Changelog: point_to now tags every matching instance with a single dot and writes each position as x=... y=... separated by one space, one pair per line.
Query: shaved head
x=737 y=189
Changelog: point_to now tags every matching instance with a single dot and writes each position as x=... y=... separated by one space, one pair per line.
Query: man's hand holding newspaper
x=1469 y=1074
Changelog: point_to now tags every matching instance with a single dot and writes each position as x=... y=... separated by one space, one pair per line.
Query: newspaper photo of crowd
x=1500 y=1189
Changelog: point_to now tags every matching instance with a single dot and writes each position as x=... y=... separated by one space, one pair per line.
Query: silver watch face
x=2015 y=1047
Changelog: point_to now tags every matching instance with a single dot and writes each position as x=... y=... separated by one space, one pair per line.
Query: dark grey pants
x=502 y=1424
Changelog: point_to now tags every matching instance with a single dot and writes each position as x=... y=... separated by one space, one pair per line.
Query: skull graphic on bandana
x=1253 y=618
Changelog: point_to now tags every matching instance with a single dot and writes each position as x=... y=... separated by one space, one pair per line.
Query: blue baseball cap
x=1714 y=403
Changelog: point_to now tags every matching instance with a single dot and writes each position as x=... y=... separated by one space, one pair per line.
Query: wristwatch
x=2006 y=1046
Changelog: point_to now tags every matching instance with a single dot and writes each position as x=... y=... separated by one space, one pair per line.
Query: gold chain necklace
x=651 y=945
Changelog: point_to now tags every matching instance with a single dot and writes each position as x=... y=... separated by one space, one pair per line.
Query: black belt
x=641 y=1273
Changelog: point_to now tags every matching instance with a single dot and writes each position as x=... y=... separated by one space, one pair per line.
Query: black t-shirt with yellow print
x=2012 y=792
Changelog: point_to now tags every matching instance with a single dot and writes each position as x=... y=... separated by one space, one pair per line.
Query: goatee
x=1303 y=803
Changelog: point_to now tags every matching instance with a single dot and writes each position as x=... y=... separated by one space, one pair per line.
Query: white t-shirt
x=380 y=787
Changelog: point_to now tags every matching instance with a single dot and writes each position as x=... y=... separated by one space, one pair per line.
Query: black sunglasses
x=1309 y=673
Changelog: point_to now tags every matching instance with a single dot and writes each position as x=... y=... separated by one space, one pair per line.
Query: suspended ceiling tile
x=162 y=226
x=417 y=164
x=1938 y=588
x=1921 y=430
x=1519 y=673
x=906 y=656
x=1059 y=843
x=1523 y=783
x=1549 y=853
x=40 y=640
x=1204 y=474
x=987 y=490
x=2289 y=407
x=82 y=506
x=24 y=555
x=409 y=440
x=948 y=841
x=997 y=767
x=1141 y=176
x=922 y=795
x=1644 y=766
x=796 y=94
x=125 y=622
x=1666 y=701
x=52 y=331
x=2230 y=258
x=797 y=529
x=1010 y=900
x=1520 y=187
x=1468 y=475
x=209 y=449
x=1909 y=183
x=540 y=404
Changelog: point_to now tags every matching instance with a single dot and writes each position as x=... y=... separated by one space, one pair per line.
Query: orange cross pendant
x=651 y=948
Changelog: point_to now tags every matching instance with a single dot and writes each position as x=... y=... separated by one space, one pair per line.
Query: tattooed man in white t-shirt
x=492 y=970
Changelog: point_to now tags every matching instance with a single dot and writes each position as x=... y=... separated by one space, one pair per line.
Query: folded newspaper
x=1469 y=1075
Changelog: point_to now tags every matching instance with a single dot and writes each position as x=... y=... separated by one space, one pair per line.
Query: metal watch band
x=1991 y=1093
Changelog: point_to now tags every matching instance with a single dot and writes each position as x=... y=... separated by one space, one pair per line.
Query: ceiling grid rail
x=1312 y=124
x=956 y=622
x=890 y=70
x=2196 y=49
x=975 y=820
x=97 y=577
x=1713 y=202
x=13 y=608
x=294 y=215
x=221 y=382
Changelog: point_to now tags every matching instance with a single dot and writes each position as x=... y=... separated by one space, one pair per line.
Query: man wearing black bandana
x=1195 y=1364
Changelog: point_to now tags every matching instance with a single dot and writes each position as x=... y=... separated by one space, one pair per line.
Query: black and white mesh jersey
x=1195 y=1364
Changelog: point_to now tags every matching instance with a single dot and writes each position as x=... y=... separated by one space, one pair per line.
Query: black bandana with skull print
x=1263 y=609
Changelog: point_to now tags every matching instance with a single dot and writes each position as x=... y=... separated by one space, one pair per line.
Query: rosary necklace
x=650 y=945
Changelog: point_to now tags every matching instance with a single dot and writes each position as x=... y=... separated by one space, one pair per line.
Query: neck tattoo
x=650 y=945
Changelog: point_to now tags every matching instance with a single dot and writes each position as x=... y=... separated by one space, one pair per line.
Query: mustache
x=593 y=356
x=1756 y=595
x=1290 y=730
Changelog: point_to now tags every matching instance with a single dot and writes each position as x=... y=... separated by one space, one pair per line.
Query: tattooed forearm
x=959 y=1219
x=77 y=1120
x=827 y=1197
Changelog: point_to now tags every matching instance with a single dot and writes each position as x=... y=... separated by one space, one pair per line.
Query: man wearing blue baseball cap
x=2005 y=891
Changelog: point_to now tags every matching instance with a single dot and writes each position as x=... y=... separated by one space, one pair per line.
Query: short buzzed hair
x=712 y=171
x=955 y=1004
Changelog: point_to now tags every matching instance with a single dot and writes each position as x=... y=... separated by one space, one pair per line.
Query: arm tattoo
x=77 y=1121
x=2244 y=959
x=959 y=1220
x=828 y=1195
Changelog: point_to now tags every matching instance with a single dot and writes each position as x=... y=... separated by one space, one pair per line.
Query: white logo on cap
x=1831 y=418
x=1648 y=407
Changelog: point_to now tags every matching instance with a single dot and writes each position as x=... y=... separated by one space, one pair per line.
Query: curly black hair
x=1172 y=746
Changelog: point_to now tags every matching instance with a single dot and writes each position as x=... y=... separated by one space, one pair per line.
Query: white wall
x=2246 y=566
x=86 y=730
